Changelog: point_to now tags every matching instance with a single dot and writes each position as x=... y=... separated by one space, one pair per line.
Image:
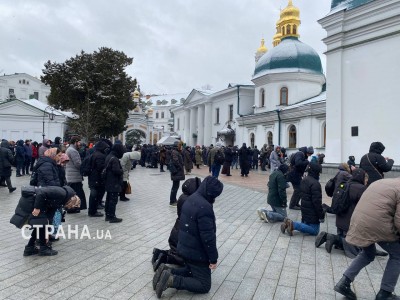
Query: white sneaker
x=261 y=214
x=264 y=215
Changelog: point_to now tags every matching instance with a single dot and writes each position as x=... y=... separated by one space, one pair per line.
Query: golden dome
x=262 y=48
x=290 y=11
x=136 y=94
x=289 y=21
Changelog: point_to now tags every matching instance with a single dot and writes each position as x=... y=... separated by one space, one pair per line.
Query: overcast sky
x=176 y=45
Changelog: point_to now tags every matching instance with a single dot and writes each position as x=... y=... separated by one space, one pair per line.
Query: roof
x=291 y=55
x=338 y=5
x=45 y=107
x=320 y=98
x=166 y=100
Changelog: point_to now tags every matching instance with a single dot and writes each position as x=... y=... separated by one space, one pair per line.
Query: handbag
x=330 y=186
x=103 y=173
x=41 y=219
x=128 y=189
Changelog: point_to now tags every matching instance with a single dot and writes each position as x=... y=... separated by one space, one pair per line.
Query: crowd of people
x=366 y=214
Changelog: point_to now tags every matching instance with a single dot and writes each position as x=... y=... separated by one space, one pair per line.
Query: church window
x=284 y=96
x=288 y=29
x=294 y=29
x=283 y=30
x=324 y=135
x=156 y=115
x=292 y=136
x=230 y=112
x=158 y=102
x=270 y=138
x=217 y=115
x=262 y=100
x=23 y=81
x=162 y=115
x=177 y=126
x=252 y=140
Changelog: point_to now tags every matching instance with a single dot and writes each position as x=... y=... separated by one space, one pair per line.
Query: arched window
x=262 y=98
x=270 y=138
x=324 y=135
x=292 y=136
x=156 y=115
x=283 y=30
x=294 y=29
x=284 y=96
x=252 y=140
x=288 y=29
x=162 y=115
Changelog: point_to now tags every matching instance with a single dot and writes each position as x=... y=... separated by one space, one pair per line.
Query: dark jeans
x=111 y=204
x=215 y=168
x=42 y=236
x=367 y=255
x=192 y=278
x=78 y=188
x=174 y=191
x=32 y=163
x=27 y=164
x=7 y=180
x=295 y=200
x=20 y=167
x=95 y=198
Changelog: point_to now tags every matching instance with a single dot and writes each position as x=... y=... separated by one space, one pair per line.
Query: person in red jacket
x=35 y=154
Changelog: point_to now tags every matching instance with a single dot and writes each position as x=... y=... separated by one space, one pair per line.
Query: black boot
x=382 y=294
x=156 y=253
x=343 y=287
x=46 y=250
x=12 y=189
x=166 y=281
x=30 y=250
x=331 y=240
x=158 y=273
x=320 y=239
x=162 y=259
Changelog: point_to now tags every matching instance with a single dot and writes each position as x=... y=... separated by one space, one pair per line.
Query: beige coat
x=377 y=214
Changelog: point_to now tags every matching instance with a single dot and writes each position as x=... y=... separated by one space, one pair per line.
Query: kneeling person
x=197 y=242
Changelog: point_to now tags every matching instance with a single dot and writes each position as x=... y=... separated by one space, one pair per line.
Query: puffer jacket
x=42 y=149
x=97 y=165
x=47 y=172
x=356 y=189
x=177 y=160
x=114 y=171
x=187 y=160
x=197 y=232
x=378 y=164
x=376 y=217
x=126 y=163
x=311 y=196
x=188 y=188
x=277 y=189
x=20 y=151
x=6 y=159
x=198 y=156
x=73 y=167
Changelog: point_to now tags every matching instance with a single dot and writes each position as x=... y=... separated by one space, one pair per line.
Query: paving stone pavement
x=256 y=261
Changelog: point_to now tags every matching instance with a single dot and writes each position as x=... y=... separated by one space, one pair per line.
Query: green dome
x=290 y=55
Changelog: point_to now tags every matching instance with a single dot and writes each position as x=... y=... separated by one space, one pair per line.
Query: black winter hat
x=119 y=150
x=314 y=168
x=284 y=168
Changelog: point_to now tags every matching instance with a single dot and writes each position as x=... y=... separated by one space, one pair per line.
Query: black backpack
x=86 y=166
x=219 y=158
x=340 y=199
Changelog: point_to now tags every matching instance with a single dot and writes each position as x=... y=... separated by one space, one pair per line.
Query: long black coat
x=177 y=160
x=47 y=171
x=356 y=189
x=197 y=232
x=378 y=164
x=6 y=159
x=311 y=200
x=114 y=174
x=97 y=165
x=244 y=162
x=228 y=155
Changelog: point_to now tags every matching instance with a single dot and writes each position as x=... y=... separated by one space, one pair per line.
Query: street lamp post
x=51 y=117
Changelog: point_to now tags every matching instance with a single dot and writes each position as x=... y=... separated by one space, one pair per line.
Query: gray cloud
x=177 y=45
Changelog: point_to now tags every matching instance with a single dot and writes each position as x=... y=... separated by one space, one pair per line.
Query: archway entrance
x=135 y=137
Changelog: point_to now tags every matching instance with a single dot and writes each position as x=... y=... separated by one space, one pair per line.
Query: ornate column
x=186 y=130
x=207 y=124
x=200 y=125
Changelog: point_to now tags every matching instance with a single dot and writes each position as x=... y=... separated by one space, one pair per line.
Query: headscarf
x=52 y=153
x=63 y=158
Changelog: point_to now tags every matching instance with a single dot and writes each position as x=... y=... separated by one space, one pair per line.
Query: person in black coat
x=374 y=163
x=40 y=203
x=46 y=168
x=256 y=153
x=176 y=167
x=298 y=165
x=197 y=242
x=226 y=168
x=113 y=181
x=312 y=213
x=96 y=182
x=244 y=162
x=357 y=185
x=171 y=256
x=6 y=161
x=20 y=158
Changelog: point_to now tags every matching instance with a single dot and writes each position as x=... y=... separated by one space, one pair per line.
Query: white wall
x=21 y=90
